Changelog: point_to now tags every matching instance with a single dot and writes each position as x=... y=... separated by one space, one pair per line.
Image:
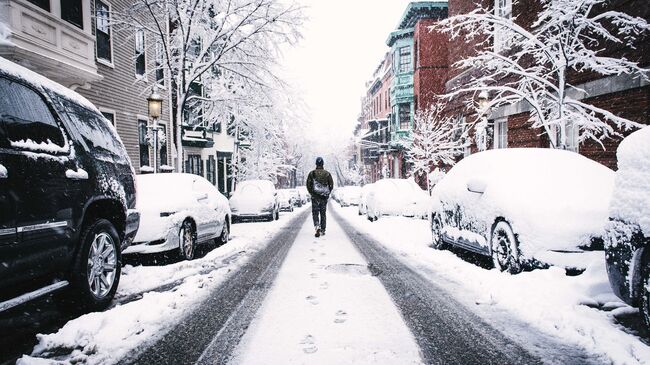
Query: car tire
x=505 y=248
x=436 y=232
x=644 y=306
x=186 y=241
x=96 y=272
x=224 y=237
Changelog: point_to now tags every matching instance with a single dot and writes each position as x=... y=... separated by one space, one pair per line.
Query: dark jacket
x=323 y=177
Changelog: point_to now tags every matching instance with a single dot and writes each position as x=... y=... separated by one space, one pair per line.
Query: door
x=41 y=200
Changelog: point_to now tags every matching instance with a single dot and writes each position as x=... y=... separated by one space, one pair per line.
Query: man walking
x=319 y=185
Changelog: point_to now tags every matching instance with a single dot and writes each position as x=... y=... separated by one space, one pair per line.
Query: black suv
x=67 y=193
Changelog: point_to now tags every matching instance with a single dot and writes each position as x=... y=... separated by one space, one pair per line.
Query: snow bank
x=398 y=197
x=552 y=199
x=548 y=300
x=631 y=197
x=106 y=337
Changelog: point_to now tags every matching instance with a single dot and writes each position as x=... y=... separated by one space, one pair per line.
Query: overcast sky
x=344 y=40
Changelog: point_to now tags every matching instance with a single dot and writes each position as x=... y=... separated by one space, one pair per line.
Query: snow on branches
x=436 y=140
x=532 y=64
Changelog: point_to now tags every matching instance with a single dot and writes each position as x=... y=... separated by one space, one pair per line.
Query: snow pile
x=5 y=34
x=546 y=300
x=631 y=197
x=47 y=146
x=106 y=337
x=552 y=199
x=80 y=174
x=348 y=195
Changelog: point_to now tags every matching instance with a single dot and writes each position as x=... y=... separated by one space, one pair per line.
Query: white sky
x=344 y=40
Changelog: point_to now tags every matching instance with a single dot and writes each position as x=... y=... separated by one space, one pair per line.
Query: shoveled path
x=446 y=331
x=219 y=322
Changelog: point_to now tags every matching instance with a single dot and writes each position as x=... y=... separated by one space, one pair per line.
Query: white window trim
x=500 y=36
x=142 y=77
x=101 y=60
x=497 y=122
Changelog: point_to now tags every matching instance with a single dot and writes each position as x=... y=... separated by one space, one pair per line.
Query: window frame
x=99 y=59
x=105 y=111
x=143 y=53
x=399 y=117
x=65 y=11
x=163 y=127
x=49 y=5
x=402 y=58
x=142 y=139
x=500 y=38
x=500 y=132
x=65 y=149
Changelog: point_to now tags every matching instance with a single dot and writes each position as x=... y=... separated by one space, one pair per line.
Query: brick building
x=509 y=127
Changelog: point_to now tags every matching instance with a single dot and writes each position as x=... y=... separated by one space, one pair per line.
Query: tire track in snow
x=212 y=330
x=446 y=331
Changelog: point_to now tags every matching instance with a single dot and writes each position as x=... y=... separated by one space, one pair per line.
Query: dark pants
x=319 y=209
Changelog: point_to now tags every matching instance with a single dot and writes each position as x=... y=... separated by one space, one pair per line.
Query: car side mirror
x=476 y=185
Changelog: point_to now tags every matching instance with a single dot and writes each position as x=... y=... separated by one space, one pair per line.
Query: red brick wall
x=431 y=67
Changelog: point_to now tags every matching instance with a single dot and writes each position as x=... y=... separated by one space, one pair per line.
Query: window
x=405 y=59
x=503 y=9
x=160 y=56
x=501 y=133
x=43 y=4
x=103 y=31
x=143 y=143
x=162 y=144
x=194 y=165
x=211 y=170
x=404 y=116
x=140 y=66
x=25 y=119
x=72 y=12
x=571 y=137
x=110 y=117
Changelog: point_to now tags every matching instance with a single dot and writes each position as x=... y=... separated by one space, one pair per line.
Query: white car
x=255 y=199
x=304 y=194
x=286 y=199
x=348 y=195
x=363 y=198
x=398 y=197
x=523 y=206
x=178 y=212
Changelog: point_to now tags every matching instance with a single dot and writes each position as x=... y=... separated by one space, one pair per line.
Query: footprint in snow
x=312 y=300
x=324 y=285
x=323 y=254
x=309 y=344
x=340 y=316
x=313 y=275
x=312 y=260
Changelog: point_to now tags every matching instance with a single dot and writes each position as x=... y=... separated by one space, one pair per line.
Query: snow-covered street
x=367 y=292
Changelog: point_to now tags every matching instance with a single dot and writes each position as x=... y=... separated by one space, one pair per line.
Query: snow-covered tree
x=217 y=52
x=532 y=64
x=436 y=140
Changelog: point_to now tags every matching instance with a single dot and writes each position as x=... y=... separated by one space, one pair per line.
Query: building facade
x=509 y=126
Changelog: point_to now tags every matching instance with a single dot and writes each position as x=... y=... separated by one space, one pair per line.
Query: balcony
x=42 y=41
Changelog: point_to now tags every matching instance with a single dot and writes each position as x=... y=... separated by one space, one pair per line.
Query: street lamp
x=154 y=103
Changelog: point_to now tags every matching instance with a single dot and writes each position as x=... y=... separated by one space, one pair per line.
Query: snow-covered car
x=524 y=207
x=195 y=213
x=286 y=199
x=297 y=199
x=255 y=199
x=304 y=194
x=363 y=198
x=627 y=240
x=398 y=197
x=348 y=195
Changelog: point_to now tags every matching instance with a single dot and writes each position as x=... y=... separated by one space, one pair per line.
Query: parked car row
x=347 y=195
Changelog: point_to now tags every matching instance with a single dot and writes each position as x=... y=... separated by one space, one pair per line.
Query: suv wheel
x=505 y=250
x=186 y=240
x=645 y=290
x=436 y=232
x=97 y=270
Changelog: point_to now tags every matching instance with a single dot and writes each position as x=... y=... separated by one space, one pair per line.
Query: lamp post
x=481 y=127
x=154 y=102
